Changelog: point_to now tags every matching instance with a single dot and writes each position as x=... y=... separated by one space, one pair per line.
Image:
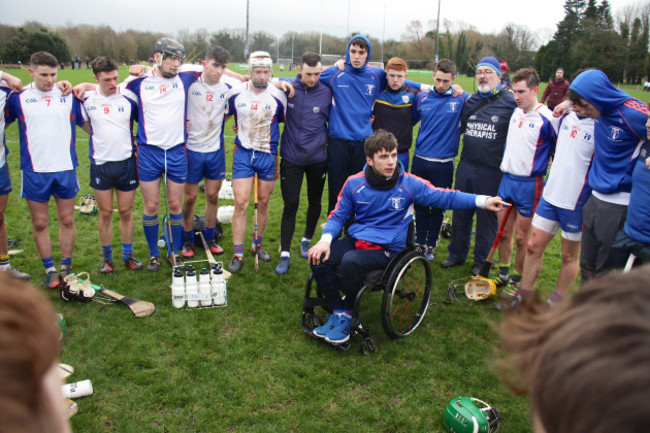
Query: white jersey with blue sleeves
x=4 y=95
x=257 y=116
x=162 y=108
x=566 y=186
x=111 y=122
x=530 y=142
x=47 y=125
x=206 y=109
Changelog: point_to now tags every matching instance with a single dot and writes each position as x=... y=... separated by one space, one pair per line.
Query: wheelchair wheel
x=406 y=296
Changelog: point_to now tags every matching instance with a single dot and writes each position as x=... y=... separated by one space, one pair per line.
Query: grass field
x=249 y=367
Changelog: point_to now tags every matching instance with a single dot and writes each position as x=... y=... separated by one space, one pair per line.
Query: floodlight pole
x=437 y=33
x=383 y=34
x=248 y=42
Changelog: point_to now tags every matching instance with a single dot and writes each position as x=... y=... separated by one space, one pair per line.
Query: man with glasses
x=484 y=122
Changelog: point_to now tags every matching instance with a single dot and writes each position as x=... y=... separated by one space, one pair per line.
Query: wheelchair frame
x=396 y=300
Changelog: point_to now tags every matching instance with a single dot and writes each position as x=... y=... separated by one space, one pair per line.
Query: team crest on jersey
x=316 y=110
x=453 y=107
x=614 y=132
x=494 y=119
x=405 y=99
x=369 y=88
x=643 y=153
x=396 y=202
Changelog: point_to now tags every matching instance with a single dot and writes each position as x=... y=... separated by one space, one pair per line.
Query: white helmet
x=259 y=58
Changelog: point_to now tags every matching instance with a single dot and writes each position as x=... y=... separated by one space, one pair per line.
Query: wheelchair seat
x=406 y=287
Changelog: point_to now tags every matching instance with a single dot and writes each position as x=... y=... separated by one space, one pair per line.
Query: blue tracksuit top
x=638 y=211
x=617 y=132
x=304 y=137
x=355 y=91
x=439 y=116
x=382 y=217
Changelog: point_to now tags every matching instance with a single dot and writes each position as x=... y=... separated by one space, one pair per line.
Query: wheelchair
x=406 y=291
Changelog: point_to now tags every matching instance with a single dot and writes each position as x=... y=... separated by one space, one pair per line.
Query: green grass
x=249 y=367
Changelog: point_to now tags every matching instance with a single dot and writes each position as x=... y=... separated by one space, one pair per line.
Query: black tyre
x=406 y=296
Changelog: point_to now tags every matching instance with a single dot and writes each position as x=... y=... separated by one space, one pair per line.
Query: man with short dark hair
x=48 y=159
x=206 y=159
x=304 y=153
x=436 y=147
x=110 y=112
x=484 y=122
x=379 y=201
x=529 y=145
x=556 y=89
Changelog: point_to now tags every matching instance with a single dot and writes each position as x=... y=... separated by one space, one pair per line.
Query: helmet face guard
x=471 y=415
x=168 y=47
x=259 y=59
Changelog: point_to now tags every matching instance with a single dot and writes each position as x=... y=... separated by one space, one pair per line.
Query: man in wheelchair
x=380 y=199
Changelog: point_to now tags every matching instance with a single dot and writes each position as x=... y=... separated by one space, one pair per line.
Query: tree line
x=588 y=36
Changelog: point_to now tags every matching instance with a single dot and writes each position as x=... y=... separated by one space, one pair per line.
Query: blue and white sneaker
x=321 y=331
x=340 y=332
x=283 y=266
x=304 y=248
x=428 y=253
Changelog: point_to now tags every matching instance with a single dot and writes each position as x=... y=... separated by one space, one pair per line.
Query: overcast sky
x=336 y=17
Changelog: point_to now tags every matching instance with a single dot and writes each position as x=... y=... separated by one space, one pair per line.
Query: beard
x=484 y=88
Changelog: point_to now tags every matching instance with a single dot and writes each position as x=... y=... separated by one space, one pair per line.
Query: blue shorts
x=151 y=163
x=5 y=180
x=550 y=218
x=523 y=192
x=121 y=175
x=40 y=186
x=209 y=165
x=245 y=163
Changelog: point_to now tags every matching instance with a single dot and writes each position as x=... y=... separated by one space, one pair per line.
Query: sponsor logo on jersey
x=316 y=110
x=196 y=93
x=494 y=119
x=241 y=105
x=30 y=100
x=150 y=87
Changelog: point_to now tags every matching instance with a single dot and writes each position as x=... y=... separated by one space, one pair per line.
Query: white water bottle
x=178 y=289
x=204 y=288
x=191 y=288
x=218 y=285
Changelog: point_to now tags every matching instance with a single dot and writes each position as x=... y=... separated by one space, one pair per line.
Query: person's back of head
x=585 y=363
x=29 y=347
